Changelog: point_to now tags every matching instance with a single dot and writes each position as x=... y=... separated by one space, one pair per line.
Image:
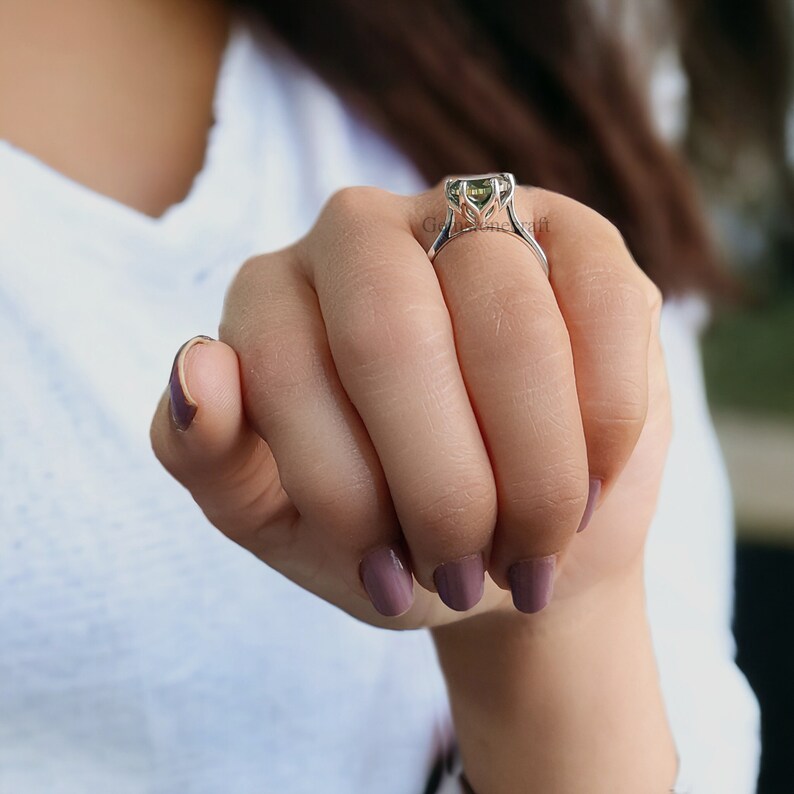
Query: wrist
x=566 y=700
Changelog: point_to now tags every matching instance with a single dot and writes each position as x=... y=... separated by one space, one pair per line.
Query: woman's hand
x=367 y=414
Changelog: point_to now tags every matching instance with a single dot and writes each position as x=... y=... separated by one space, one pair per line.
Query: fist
x=420 y=442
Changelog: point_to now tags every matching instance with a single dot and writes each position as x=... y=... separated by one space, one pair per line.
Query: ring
x=473 y=202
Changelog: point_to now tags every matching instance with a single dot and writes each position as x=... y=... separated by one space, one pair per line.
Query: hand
x=366 y=414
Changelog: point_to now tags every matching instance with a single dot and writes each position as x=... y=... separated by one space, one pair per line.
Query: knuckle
x=241 y=493
x=247 y=277
x=601 y=226
x=363 y=339
x=250 y=268
x=348 y=506
x=270 y=354
x=622 y=413
x=275 y=365
x=236 y=300
x=519 y=314
x=451 y=511
x=552 y=501
x=610 y=295
x=336 y=496
x=350 y=222
x=352 y=204
x=371 y=336
x=616 y=425
x=249 y=289
x=529 y=317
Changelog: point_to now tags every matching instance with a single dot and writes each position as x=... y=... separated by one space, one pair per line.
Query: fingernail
x=531 y=582
x=460 y=583
x=592 y=498
x=183 y=406
x=388 y=581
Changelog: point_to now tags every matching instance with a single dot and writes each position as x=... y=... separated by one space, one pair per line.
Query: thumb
x=200 y=435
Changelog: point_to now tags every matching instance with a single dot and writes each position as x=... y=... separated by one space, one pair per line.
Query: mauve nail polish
x=460 y=583
x=388 y=581
x=592 y=498
x=183 y=406
x=532 y=582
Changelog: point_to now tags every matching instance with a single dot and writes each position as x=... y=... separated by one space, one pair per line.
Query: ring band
x=473 y=202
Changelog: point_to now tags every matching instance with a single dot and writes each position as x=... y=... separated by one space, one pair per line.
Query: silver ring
x=473 y=203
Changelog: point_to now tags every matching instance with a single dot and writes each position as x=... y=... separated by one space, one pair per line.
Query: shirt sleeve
x=689 y=581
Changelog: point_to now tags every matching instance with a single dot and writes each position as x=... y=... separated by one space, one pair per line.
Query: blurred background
x=749 y=368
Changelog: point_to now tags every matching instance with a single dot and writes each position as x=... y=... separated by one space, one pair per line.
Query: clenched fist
x=368 y=418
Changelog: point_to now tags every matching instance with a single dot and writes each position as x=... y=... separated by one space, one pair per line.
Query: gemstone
x=479 y=189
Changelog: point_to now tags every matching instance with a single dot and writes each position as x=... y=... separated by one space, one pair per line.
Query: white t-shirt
x=140 y=650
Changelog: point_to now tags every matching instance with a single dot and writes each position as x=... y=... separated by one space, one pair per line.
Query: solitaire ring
x=474 y=203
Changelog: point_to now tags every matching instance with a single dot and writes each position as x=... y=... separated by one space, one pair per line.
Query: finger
x=200 y=435
x=327 y=463
x=638 y=485
x=606 y=302
x=516 y=359
x=392 y=344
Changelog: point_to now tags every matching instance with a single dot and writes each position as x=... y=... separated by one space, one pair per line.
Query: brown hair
x=738 y=57
x=539 y=89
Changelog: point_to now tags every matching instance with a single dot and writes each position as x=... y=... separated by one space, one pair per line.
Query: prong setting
x=473 y=204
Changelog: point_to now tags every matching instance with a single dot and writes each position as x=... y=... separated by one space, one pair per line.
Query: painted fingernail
x=592 y=499
x=460 y=583
x=532 y=582
x=388 y=581
x=183 y=406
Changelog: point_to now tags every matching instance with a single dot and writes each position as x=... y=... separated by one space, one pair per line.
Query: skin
x=462 y=406
x=81 y=81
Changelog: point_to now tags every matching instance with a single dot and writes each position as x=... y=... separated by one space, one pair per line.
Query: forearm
x=561 y=702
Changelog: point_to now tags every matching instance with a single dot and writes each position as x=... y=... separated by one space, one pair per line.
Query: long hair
x=544 y=90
